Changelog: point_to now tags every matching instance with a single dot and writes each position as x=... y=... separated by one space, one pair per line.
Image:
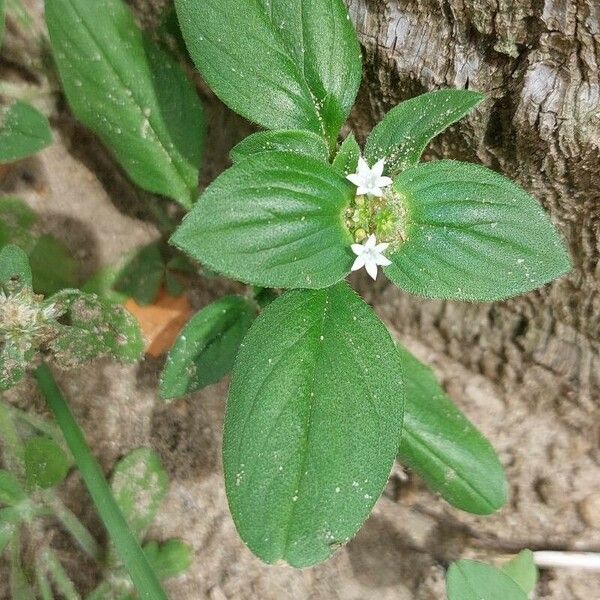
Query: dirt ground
x=402 y=550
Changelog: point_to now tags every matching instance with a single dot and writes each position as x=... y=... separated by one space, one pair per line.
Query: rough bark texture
x=538 y=62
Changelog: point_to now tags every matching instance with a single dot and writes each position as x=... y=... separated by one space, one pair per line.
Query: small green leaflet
x=274 y=220
x=11 y=492
x=405 y=131
x=300 y=142
x=23 y=132
x=312 y=424
x=46 y=463
x=523 y=570
x=169 y=559
x=206 y=348
x=130 y=93
x=139 y=484
x=472 y=580
x=472 y=234
x=444 y=448
x=143 y=275
x=52 y=265
x=16 y=221
x=9 y=520
x=284 y=64
x=14 y=267
x=346 y=159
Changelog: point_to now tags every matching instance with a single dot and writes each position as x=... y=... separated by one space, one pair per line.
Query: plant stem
x=43 y=585
x=13 y=448
x=126 y=545
x=75 y=527
x=59 y=576
x=19 y=588
x=574 y=560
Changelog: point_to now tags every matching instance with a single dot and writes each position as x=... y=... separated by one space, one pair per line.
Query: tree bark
x=538 y=63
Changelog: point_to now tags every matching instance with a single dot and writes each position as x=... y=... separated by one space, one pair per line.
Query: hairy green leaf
x=346 y=159
x=95 y=328
x=143 y=275
x=16 y=221
x=312 y=424
x=52 y=265
x=11 y=492
x=206 y=348
x=170 y=559
x=139 y=484
x=441 y=445
x=405 y=131
x=46 y=463
x=14 y=268
x=523 y=570
x=284 y=64
x=297 y=141
x=23 y=132
x=471 y=234
x=472 y=580
x=130 y=93
x=274 y=220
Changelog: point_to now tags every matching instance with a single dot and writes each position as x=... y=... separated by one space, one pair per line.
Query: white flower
x=369 y=255
x=369 y=180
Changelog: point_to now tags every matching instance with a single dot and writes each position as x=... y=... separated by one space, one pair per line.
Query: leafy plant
x=52 y=265
x=24 y=131
x=71 y=326
x=322 y=400
x=37 y=464
x=315 y=412
x=473 y=580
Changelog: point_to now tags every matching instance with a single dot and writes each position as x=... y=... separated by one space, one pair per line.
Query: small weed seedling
x=36 y=466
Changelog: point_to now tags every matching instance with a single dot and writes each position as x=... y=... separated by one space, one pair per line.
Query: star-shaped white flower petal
x=369 y=180
x=370 y=255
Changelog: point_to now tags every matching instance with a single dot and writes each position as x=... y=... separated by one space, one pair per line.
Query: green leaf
x=297 y=141
x=46 y=464
x=16 y=221
x=130 y=93
x=441 y=445
x=170 y=559
x=143 y=275
x=346 y=159
x=139 y=484
x=23 y=132
x=472 y=234
x=312 y=424
x=274 y=220
x=472 y=580
x=102 y=284
x=207 y=346
x=14 y=268
x=405 y=131
x=13 y=363
x=95 y=328
x=11 y=492
x=284 y=64
x=523 y=570
x=52 y=265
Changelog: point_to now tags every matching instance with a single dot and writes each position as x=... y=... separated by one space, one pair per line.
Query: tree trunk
x=538 y=63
